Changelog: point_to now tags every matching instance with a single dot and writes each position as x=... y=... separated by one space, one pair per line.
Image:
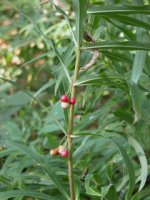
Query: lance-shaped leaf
x=127 y=45
x=119 y=9
x=129 y=167
x=140 y=56
x=80 y=8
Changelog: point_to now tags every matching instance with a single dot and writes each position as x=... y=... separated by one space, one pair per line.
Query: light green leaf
x=6 y=152
x=77 y=190
x=141 y=104
x=80 y=8
x=61 y=61
x=68 y=57
x=143 y=161
x=89 y=189
x=21 y=88
x=138 y=65
x=140 y=56
x=119 y=9
x=68 y=22
x=43 y=88
x=136 y=97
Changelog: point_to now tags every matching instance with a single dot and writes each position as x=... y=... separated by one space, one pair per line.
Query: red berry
x=64 y=153
x=64 y=98
x=72 y=101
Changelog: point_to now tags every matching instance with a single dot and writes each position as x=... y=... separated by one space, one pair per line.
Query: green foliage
x=112 y=114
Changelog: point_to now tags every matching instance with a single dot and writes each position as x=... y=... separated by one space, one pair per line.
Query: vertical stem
x=70 y=128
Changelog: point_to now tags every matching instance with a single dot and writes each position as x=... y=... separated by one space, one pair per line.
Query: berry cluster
x=61 y=150
x=66 y=102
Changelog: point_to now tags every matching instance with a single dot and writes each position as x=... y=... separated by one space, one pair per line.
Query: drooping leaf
x=142 y=194
x=141 y=104
x=129 y=168
x=68 y=22
x=110 y=193
x=143 y=161
x=141 y=156
x=89 y=190
x=43 y=88
x=68 y=57
x=39 y=161
x=61 y=60
x=21 y=88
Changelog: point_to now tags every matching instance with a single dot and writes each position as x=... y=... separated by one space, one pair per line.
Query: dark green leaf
x=25 y=193
x=39 y=161
x=129 y=167
x=129 y=45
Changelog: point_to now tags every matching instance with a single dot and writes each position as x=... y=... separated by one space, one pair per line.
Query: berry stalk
x=70 y=127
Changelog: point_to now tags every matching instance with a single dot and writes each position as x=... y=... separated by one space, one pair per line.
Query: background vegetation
x=112 y=114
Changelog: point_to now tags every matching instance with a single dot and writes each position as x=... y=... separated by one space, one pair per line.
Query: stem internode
x=70 y=128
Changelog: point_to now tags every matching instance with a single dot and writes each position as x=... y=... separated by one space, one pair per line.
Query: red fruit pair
x=60 y=150
x=65 y=99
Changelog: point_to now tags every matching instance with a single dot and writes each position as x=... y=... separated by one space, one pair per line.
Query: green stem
x=70 y=128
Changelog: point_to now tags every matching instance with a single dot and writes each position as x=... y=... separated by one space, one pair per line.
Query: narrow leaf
x=62 y=63
x=21 y=88
x=139 y=61
x=143 y=161
x=136 y=97
x=129 y=167
x=48 y=42
x=68 y=22
x=129 y=45
x=39 y=161
x=142 y=195
x=43 y=88
x=119 y=9
x=80 y=8
x=37 y=58
x=90 y=190
x=129 y=20
x=25 y=193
